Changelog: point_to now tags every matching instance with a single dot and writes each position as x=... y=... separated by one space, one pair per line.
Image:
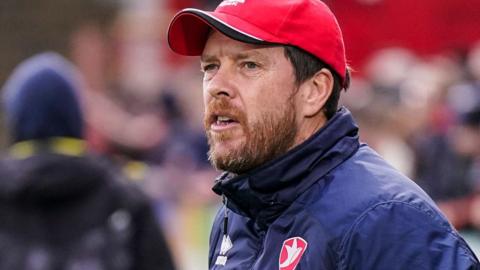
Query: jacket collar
x=266 y=191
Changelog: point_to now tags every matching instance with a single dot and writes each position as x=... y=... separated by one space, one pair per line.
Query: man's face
x=250 y=115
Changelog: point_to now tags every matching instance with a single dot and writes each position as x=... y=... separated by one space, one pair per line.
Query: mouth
x=221 y=122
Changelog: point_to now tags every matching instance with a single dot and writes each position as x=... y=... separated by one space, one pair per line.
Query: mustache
x=222 y=107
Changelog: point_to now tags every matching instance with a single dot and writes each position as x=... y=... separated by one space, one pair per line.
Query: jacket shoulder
x=365 y=196
x=402 y=235
x=360 y=182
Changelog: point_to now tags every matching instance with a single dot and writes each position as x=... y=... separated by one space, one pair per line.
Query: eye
x=209 y=67
x=250 y=65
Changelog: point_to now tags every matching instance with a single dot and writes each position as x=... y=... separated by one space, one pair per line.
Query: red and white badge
x=291 y=253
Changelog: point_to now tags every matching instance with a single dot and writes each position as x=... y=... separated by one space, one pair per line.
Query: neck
x=307 y=127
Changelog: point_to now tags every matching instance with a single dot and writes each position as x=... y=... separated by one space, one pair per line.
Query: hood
x=41 y=99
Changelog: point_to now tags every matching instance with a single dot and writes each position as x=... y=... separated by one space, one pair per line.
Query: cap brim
x=189 y=30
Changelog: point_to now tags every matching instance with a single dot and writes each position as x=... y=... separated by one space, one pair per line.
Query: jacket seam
x=360 y=218
x=259 y=250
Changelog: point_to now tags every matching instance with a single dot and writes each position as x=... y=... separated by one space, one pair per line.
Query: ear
x=315 y=92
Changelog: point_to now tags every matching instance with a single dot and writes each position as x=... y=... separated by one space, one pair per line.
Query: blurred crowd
x=423 y=115
x=144 y=110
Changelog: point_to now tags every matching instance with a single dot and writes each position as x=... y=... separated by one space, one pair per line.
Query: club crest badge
x=291 y=253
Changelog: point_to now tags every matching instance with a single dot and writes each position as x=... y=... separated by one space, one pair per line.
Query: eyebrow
x=207 y=58
x=236 y=57
x=242 y=56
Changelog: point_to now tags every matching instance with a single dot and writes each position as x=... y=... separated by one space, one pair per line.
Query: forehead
x=218 y=45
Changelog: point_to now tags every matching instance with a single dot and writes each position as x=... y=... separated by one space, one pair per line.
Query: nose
x=221 y=84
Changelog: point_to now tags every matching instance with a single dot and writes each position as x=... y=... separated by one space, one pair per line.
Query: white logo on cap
x=231 y=2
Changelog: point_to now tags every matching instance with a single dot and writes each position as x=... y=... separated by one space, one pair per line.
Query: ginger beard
x=271 y=135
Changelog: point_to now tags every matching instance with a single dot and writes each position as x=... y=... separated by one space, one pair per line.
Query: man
x=86 y=32
x=300 y=191
x=61 y=206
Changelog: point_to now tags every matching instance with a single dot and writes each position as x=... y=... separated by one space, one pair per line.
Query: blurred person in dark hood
x=61 y=206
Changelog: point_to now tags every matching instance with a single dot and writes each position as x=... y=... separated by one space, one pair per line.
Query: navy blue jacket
x=331 y=203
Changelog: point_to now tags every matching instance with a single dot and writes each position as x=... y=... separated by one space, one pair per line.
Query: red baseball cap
x=307 y=24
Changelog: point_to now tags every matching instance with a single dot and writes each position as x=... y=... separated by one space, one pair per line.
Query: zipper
x=225 y=216
x=225 y=244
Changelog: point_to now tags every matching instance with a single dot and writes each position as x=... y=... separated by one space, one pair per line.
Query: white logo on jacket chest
x=224 y=248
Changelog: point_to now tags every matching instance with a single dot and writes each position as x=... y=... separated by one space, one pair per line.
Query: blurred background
x=415 y=95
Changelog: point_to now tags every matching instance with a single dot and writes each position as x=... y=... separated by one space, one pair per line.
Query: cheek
x=264 y=108
x=270 y=97
x=206 y=97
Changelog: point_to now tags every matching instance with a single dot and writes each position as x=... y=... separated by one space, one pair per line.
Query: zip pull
x=225 y=215
x=226 y=244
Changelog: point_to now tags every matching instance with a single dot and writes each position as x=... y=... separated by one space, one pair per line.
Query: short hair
x=306 y=65
x=30 y=27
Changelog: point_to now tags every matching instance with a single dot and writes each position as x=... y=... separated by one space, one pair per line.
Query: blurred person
x=300 y=190
x=186 y=207
x=444 y=174
x=465 y=141
x=63 y=207
x=447 y=148
x=81 y=32
x=473 y=64
x=445 y=153
x=381 y=126
x=87 y=33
